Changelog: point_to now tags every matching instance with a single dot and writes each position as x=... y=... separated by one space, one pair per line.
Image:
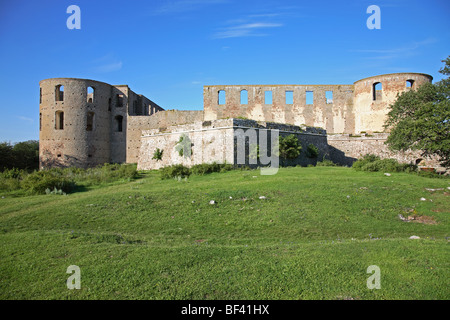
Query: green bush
x=431 y=174
x=38 y=181
x=157 y=155
x=289 y=147
x=326 y=163
x=368 y=158
x=205 y=168
x=312 y=151
x=386 y=165
x=102 y=174
x=175 y=171
x=373 y=163
x=10 y=179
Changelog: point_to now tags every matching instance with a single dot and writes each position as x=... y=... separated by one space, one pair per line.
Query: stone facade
x=336 y=108
x=345 y=149
x=85 y=123
x=217 y=141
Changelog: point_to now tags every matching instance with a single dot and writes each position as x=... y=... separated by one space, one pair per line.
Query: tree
x=6 y=156
x=420 y=119
x=289 y=147
x=26 y=155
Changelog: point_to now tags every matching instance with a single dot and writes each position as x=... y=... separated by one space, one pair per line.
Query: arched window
x=40 y=95
x=377 y=91
x=222 y=97
x=244 y=96
x=409 y=84
x=59 y=120
x=119 y=123
x=90 y=94
x=90 y=121
x=40 y=121
x=59 y=93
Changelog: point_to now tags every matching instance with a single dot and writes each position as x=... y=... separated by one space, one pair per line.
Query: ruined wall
x=336 y=108
x=86 y=128
x=371 y=106
x=74 y=125
x=335 y=113
x=345 y=149
x=162 y=119
x=216 y=141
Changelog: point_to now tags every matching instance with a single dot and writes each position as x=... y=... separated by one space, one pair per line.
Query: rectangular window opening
x=244 y=97
x=222 y=97
x=329 y=97
x=289 y=97
x=268 y=97
x=120 y=100
x=309 y=97
x=90 y=121
x=59 y=120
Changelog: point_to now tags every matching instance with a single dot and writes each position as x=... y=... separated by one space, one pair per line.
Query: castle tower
x=374 y=95
x=85 y=123
x=75 y=122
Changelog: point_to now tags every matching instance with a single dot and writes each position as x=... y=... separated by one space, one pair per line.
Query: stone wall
x=74 y=125
x=334 y=114
x=371 y=106
x=216 y=141
x=84 y=128
x=337 y=108
x=345 y=149
x=163 y=119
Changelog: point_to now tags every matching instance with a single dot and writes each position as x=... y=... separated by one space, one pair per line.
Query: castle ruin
x=85 y=123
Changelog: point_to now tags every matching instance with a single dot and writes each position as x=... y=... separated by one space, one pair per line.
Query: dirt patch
x=422 y=219
x=418 y=218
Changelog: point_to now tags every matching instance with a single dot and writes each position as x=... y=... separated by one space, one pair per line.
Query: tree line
x=21 y=155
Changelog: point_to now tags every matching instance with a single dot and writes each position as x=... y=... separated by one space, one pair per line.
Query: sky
x=169 y=50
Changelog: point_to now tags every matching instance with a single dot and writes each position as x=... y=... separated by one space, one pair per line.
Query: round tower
x=75 y=126
x=374 y=95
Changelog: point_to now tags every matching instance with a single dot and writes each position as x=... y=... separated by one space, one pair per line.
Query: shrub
x=312 y=151
x=205 y=168
x=38 y=181
x=368 y=158
x=326 y=163
x=373 y=163
x=175 y=171
x=289 y=147
x=431 y=174
x=157 y=155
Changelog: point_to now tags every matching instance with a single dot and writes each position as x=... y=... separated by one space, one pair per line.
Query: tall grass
x=64 y=179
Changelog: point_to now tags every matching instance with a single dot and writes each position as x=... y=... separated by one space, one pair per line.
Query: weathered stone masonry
x=85 y=122
x=216 y=141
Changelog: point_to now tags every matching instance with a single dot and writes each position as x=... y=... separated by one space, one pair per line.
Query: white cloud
x=114 y=66
x=25 y=119
x=107 y=63
x=404 y=49
x=245 y=30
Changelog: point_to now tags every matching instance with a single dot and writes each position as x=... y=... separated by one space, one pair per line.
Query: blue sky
x=168 y=50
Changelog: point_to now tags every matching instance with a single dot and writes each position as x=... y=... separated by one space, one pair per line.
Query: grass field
x=312 y=237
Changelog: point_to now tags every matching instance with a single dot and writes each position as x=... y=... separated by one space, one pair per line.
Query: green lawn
x=313 y=237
